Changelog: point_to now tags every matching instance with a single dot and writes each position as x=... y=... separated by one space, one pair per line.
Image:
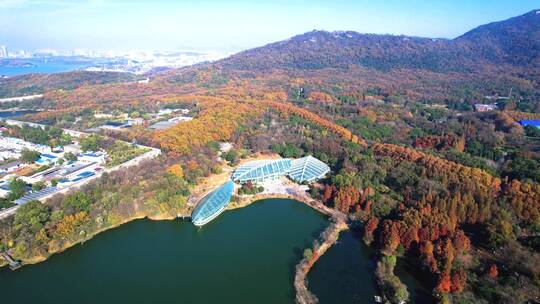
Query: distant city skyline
x=229 y=26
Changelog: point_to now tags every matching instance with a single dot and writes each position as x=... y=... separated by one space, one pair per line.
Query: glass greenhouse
x=212 y=204
x=261 y=170
x=307 y=169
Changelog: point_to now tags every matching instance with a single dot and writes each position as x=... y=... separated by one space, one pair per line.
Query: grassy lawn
x=121 y=152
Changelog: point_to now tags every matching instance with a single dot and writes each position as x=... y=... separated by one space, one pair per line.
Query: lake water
x=345 y=274
x=41 y=66
x=244 y=256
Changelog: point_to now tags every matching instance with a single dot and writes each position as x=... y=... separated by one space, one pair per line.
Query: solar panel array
x=35 y=195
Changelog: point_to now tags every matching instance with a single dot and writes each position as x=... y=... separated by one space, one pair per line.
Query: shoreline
x=327 y=238
x=69 y=244
x=246 y=201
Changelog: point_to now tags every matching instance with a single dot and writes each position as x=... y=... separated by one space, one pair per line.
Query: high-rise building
x=3 y=52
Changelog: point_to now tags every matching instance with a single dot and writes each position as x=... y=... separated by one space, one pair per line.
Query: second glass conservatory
x=213 y=204
x=261 y=170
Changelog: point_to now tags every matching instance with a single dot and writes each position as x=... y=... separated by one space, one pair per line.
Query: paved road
x=21 y=98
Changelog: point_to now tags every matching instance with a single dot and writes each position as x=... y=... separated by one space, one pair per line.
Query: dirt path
x=327 y=238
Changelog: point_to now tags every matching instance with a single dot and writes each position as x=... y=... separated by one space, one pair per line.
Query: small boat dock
x=13 y=264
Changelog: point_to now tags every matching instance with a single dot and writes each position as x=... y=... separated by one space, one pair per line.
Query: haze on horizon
x=231 y=25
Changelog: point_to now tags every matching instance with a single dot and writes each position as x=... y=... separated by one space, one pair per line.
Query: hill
x=514 y=41
x=29 y=84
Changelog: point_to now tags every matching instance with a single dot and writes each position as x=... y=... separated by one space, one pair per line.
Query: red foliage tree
x=390 y=236
x=462 y=243
x=493 y=271
x=367 y=207
x=328 y=192
x=410 y=236
x=426 y=249
x=445 y=284
x=346 y=198
x=459 y=280
x=370 y=227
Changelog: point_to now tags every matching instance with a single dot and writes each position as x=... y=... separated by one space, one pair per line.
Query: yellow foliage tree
x=66 y=227
x=176 y=170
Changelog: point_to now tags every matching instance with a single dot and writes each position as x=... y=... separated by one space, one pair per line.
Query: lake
x=244 y=256
x=345 y=274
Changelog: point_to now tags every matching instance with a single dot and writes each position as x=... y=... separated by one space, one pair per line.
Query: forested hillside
x=513 y=41
x=38 y=83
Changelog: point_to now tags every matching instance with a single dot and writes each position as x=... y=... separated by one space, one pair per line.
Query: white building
x=73 y=148
x=103 y=116
x=136 y=122
x=93 y=157
x=10 y=167
x=485 y=107
x=47 y=159
x=4 y=188
x=74 y=170
x=6 y=153
x=3 y=52
x=163 y=112
x=19 y=144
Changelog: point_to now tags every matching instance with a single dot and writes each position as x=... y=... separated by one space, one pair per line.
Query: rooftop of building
x=305 y=169
x=534 y=123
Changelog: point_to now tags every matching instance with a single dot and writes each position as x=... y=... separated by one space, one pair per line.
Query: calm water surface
x=345 y=274
x=41 y=66
x=243 y=256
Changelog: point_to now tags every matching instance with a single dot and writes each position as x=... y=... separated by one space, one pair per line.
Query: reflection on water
x=346 y=274
x=243 y=256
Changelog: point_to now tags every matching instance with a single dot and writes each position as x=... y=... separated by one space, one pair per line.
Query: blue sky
x=232 y=25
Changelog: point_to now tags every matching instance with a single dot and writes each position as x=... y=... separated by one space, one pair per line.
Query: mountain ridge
x=515 y=41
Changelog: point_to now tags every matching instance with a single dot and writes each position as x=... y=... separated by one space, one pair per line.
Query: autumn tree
x=369 y=228
x=459 y=280
x=493 y=271
x=176 y=170
x=346 y=198
x=390 y=236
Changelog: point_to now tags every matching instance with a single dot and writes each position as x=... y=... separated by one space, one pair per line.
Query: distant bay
x=14 y=67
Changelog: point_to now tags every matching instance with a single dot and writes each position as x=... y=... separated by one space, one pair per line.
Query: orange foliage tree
x=291 y=109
